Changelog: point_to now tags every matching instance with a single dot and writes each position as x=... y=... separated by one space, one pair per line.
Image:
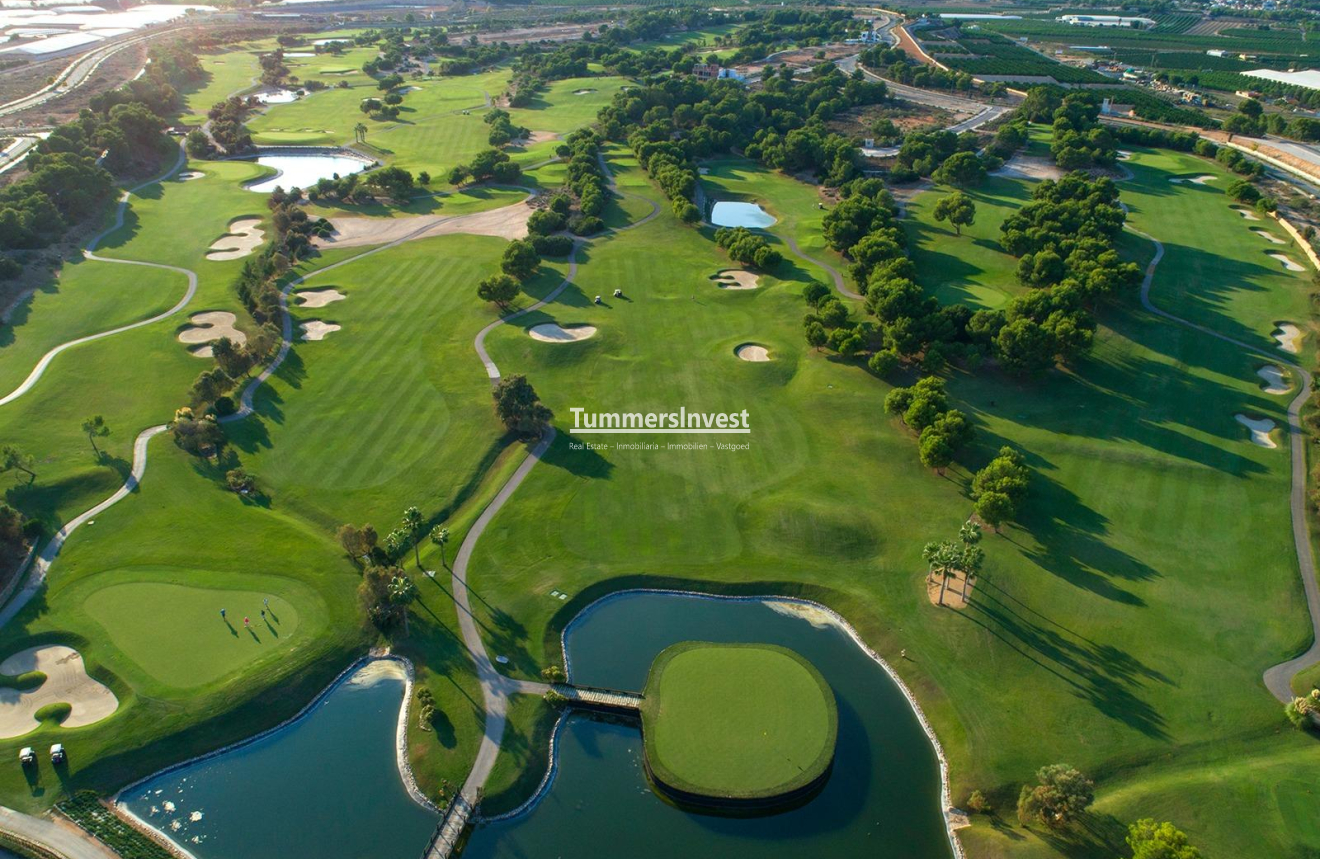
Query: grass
x=737 y=721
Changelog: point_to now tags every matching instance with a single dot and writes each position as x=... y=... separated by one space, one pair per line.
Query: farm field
x=1121 y=624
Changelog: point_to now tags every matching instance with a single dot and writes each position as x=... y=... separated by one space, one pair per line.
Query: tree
x=357 y=542
x=402 y=590
x=816 y=336
x=13 y=459
x=962 y=169
x=360 y=132
x=1059 y=799
x=935 y=451
x=1000 y=488
x=995 y=508
x=500 y=289
x=240 y=481
x=958 y=209
x=519 y=408
x=1151 y=840
x=94 y=428
x=520 y=259
x=412 y=520
x=440 y=536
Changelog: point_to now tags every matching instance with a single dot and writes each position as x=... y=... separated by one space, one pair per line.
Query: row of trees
x=924 y=409
x=747 y=247
x=491 y=165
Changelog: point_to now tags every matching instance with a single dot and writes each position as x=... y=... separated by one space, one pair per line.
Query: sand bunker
x=551 y=332
x=1275 y=381
x=243 y=238
x=1192 y=180
x=535 y=137
x=1289 y=337
x=1249 y=215
x=1028 y=167
x=582 y=91
x=1260 y=429
x=318 y=297
x=736 y=278
x=1287 y=263
x=208 y=327
x=508 y=222
x=703 y=170
x=1123 y=154
x=317 y=330
x=66 y=683
x=1269 y=237
x=752 y=352
x=190 y=175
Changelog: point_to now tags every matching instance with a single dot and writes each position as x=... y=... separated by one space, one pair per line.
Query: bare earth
x=1027 y=167
x=66 y=682
x=956 y=592
x=509 y=222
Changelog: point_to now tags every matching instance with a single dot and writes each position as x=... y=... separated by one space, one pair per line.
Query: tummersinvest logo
x=681 y=421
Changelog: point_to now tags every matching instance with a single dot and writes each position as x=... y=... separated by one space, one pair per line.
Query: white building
x=1105 y=21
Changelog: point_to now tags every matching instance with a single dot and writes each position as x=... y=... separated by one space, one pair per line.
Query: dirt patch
x=318 y=297
x=956 y=587
x=315 y=329
x=551 y=332
x=208 y=327
x=752 y=352
x=67 y=682
x=534 y=137
x=508 y=222
x=1029 y=167
x=243 y=238
x=1261 y=428
x=736 y=278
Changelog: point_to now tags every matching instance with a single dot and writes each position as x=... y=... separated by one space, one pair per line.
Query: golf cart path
x=839 y=283
x=90 y=254
x=1278 y=677
x=495 y=687
x=62 y=840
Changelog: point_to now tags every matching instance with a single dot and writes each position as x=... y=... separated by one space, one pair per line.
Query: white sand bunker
x=1260 y=429
x=1289 y=337
x=507 y=222
x=1123 y=154
x=209 y=327
x=1275 y=380
x=191 y=175
x=1269 y=237
x=66 y=683
x=703 y=170
x=318 y=297
x=582 y=91
x=736 y=278
x=315 y=329
x=1246 y=213
x=243 y=238
x=1193 y=180
x=752 y=352
x=552 y=332
x=1287 y=263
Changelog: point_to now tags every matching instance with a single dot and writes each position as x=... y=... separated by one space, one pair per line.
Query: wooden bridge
x=449 y=830
x=597 y=698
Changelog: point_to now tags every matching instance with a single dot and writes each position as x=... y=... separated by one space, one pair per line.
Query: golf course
x=1122 y=622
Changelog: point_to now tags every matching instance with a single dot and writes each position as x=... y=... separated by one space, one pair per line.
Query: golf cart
x=57 y=753
x=28 y=756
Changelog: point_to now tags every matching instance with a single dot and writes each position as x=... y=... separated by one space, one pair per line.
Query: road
x=77 y=73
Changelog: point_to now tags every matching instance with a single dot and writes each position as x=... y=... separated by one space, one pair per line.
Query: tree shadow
x=584 y=462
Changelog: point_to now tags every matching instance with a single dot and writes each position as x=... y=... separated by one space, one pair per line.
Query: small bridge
x=449 y=830
x=597 y=698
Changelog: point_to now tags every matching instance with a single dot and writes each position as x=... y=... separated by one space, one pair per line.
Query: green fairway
x=737 y=721
x=176 y=634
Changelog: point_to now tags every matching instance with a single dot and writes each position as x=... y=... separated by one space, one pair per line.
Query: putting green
x=175 y=632
x=737 y=722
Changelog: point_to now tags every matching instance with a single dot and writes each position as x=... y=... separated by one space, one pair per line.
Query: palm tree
x=939 y=558
x=95 y=427
x=395 y=541
x=402 y=591
x=412 y=520
x=440 y=536
x=360 y=132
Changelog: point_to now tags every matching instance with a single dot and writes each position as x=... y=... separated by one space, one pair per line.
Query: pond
x=327 y=786
x=749 y=215
x=279 y=96
x=303 y=171
x=882 y=798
